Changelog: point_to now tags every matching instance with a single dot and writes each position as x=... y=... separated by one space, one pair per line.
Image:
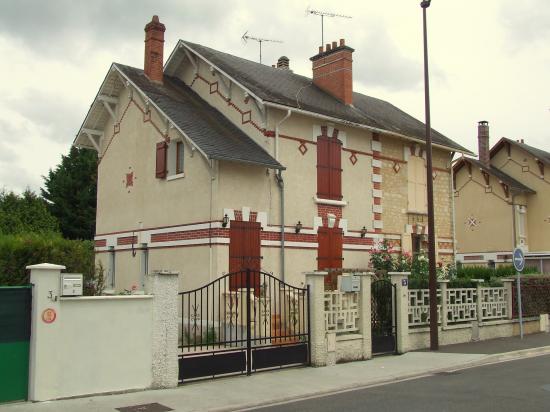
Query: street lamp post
x=434 y=338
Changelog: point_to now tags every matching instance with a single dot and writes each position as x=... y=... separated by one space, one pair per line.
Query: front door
x=244 y=253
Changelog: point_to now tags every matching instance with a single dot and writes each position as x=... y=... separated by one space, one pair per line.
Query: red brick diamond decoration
x=246 y=117
x=213 y=87
x=302 y=148
x=129 y=179
x=353 y=158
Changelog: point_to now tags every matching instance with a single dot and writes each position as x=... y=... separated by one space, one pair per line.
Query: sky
x=489 y=61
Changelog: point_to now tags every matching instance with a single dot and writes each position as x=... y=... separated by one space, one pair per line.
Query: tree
x=26 y=213
x=70 y=190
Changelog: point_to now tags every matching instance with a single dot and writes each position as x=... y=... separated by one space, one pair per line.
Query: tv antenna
x=324 y=14
x=260 y=40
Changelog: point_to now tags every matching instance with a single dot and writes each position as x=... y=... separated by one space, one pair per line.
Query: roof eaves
x=189 y=140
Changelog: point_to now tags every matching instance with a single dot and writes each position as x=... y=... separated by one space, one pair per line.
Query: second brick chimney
x=154 y=49
x=483 y=142
x=332 y=70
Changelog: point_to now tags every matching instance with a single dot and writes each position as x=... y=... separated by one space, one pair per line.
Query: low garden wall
x=98 y=344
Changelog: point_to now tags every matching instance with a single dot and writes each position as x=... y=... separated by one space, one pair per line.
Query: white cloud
x=487 y=63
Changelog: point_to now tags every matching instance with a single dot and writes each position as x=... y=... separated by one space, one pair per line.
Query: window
x=418 y=198
x=329 y=167
x=416 y=244
x=521 y=224
x=175 y=159
x=112 y=266
x=179 y=157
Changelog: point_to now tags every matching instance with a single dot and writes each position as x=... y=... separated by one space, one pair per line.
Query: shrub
x=19 y=251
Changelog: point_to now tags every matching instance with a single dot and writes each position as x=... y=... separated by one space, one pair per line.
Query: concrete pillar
x=508 y=288
x=443 y=287
x=401 y=282
x=43 y=379
x=163 y=285
x=365 y=325
x=479 y=298
x=316 y=284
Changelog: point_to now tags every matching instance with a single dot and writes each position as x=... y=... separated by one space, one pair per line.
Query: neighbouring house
x=213 y=163
x=502 y=201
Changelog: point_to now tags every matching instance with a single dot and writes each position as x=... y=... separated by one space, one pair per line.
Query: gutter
x=281 y=184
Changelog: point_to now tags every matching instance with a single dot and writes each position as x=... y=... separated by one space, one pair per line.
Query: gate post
x=43 y=365
x=163 y=285
x=365 y=322
x=316 y=282
x=401 y=282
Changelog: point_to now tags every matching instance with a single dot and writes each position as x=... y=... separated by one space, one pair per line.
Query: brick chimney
x=154 y=49
x=332 y=70
x=483 y=142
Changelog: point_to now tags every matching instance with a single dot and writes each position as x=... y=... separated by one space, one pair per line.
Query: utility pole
x=434 y=337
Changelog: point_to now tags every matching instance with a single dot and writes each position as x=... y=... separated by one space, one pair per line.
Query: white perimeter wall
x=104 y=344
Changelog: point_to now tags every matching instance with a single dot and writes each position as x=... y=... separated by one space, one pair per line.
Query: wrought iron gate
x=240 y=323
x=383 y=317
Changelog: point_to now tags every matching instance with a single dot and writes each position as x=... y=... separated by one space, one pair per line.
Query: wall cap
x=164 y=272
x=443 y=281
x=46 y=266
x=478 y=280
x=315 y=273
x=400 y=273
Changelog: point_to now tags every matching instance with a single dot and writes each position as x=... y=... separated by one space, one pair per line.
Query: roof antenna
x=324 y=14
x=260 y=40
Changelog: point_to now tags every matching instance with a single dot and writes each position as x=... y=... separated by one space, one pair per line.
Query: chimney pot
x=320 y=49
x=342 y=42
x=327 y=48
x=483 y=142
x=334 y=45
x=154 y=50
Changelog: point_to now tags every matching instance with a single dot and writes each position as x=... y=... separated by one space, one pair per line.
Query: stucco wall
x=483 y=217
x=523 y=167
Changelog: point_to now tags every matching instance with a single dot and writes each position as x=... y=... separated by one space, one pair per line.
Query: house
x=213 y=163
x=502 y=201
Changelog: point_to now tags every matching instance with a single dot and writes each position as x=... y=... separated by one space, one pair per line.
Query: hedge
x=19 y=251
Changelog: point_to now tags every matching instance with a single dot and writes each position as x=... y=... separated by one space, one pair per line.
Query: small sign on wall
x=405 y=282
x=49 y=315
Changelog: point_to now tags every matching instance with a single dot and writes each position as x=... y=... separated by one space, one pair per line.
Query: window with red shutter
x=244 y=253
x=329 y=253
x=161 y=160
x=329 y=168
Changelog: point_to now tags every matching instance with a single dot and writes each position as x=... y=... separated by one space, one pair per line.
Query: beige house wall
x=477 y=211
x=523 y=167
x=149 y=202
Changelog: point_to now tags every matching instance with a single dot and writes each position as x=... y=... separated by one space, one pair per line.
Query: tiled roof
x=540 y=154
x=512 y=183
x=209 y=129
x=289 y=89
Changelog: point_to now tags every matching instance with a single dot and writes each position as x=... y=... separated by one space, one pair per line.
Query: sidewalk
x=268 y=387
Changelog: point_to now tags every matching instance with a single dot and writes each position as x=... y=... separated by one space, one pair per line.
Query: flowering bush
x=381 y=258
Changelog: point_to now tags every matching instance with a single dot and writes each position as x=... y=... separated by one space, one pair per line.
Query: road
x=520 y=385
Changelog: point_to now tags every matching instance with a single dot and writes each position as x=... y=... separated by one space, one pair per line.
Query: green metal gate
x=15 y=332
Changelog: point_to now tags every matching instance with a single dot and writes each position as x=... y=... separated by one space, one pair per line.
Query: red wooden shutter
x=336 y=246
x=244 y=253
x=323 y=251
x=161 y=160
x=323 y=168
x=335 y=169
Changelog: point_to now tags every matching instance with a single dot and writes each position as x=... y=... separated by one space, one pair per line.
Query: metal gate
x=15 y=332
x=383 y=317
x=240 y=323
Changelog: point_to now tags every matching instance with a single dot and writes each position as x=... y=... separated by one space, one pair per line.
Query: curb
x=488 y=360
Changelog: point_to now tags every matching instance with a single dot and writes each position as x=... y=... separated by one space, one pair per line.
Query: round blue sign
x=519 y=259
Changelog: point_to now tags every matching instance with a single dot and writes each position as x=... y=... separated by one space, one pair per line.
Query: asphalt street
x=520 y=385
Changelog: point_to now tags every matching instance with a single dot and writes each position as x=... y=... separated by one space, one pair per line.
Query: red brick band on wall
x=126 y=240
x=100 y=243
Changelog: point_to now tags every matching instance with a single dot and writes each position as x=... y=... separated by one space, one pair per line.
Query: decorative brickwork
x=101 y=243
x=126 y=240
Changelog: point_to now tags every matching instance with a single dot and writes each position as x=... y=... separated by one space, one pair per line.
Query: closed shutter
x=161 y=160
x=329 y=253
x=244 y=253
x=323 y=167
x=335 y=169
x=329 y=168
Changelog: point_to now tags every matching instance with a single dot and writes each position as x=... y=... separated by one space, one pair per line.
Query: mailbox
x=71 y=284
x=350 y=283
